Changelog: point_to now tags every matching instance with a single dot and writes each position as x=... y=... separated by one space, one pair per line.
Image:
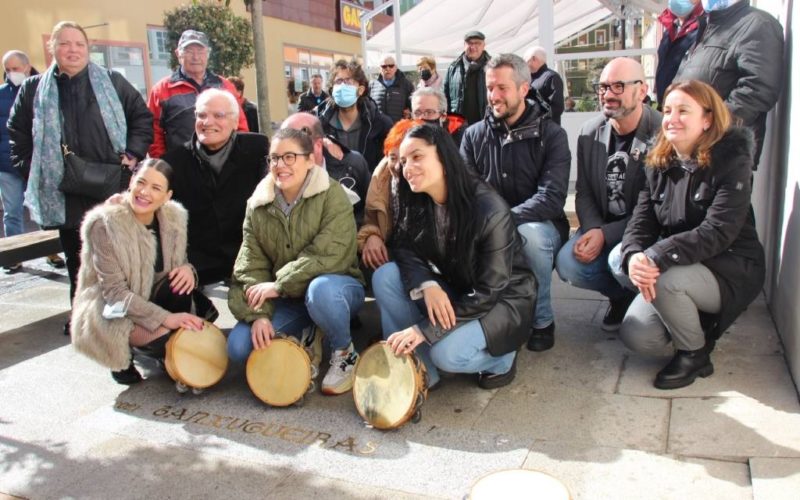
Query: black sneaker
x=542 y=339
x=13 y=268
x=488 y=380
x=128 y=376
x=616 y=313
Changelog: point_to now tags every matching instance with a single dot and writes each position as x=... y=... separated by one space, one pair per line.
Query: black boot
x=542 y=339
x=156 y=349
x=684 y=367
x=128 y=376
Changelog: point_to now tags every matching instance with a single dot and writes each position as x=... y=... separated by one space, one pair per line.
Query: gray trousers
x=673 y=316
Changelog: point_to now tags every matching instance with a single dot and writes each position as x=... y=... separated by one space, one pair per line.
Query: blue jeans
x=12 y=190
x=615 y=264
x=331 y=301
x=540 y=242
x=596 y=275
x=463 y=350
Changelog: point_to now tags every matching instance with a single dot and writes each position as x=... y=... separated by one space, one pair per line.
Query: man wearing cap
x=172 y=99
x=465 y=82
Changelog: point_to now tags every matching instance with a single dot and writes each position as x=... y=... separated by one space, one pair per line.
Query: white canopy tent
x=437 y=27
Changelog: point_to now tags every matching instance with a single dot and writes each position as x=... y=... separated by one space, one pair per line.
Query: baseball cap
x=474 y=34
x=189 y=37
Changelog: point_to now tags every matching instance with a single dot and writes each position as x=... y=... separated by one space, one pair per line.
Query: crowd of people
x=445 y=200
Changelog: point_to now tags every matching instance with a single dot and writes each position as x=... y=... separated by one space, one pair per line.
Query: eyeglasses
x=387 y=66
x=427 y=113
x=217 y=115
x=616 y=87
x=344 y=81
x=288 y=158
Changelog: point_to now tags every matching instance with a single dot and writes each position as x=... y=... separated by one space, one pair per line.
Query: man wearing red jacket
x=172 y=99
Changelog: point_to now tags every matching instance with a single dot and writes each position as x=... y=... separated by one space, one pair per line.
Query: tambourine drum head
x=280 y=374
x=197 y=358
x=518 y=484
x=385 y=388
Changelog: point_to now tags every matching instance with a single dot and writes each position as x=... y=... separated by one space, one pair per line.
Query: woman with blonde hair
x=691 y=246
x=428 y=77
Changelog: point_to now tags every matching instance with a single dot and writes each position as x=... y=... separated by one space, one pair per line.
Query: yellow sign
x=350 y=18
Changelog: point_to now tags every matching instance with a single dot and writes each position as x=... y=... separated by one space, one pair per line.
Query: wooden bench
x=22 y=247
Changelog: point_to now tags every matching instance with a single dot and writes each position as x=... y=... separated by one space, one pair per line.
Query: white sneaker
x=339 y=378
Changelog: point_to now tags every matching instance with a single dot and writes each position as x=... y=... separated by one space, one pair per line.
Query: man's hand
x=589 y=245
x=333 y=149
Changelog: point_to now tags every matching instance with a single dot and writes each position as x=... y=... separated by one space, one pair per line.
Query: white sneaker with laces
x=339 y=378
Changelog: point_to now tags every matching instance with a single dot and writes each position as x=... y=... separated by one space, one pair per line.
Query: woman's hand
x=181 y=279
x=643 y=273
x=258 y=294
x=261 y=333
x=183 y=320
x=405 y=341
x=440 y=310
x=374 y=254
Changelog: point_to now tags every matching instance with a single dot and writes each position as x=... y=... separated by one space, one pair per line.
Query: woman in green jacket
x=297 y=266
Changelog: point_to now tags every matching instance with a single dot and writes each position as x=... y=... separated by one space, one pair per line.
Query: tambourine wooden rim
x=404 y=406
x=207 y=351
x=286 y=368
x=514 y=484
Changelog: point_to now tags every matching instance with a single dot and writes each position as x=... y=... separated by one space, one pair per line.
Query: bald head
x=622 y=69
x=311 y=125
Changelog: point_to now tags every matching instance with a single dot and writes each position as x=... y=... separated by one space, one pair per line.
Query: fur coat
x=118 y=259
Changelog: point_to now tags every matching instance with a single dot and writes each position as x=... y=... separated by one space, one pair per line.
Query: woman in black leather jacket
x=691 y=246
x=460 y=292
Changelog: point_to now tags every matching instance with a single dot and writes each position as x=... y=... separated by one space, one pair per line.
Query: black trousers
x=71 y=244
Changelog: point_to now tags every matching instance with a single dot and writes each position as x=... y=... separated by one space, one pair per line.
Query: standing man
x=249 y=108
x=525 y=156
x=465 y=82
x=546 y=82
x=347 y=167
x=682 y=21
x=739 y=53
x=391 y=91
x=314 y=96
x=611 y=153
x=172 y=99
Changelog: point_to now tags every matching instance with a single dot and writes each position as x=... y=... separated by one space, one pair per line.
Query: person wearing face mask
x=428 y=77
x=739 y=54
x=391 y=90
x=682 y=21
x=430 y=105
x=17 y=67
x=350 y=114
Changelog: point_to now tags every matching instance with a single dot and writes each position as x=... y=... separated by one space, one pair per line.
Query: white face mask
x=15 y=77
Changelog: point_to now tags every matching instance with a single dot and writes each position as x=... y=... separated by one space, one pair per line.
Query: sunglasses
x=387 y=66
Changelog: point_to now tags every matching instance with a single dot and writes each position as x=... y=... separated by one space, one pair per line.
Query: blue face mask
x=711 y=5
x=680 y=8
x=345 y=95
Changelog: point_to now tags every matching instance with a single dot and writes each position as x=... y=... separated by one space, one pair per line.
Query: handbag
x=90 y=178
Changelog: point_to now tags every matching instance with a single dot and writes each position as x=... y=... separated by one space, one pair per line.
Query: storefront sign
x=350 y=18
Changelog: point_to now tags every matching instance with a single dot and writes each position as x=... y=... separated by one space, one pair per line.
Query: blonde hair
x=431 y=62
x=58 y=28
x=663 y=153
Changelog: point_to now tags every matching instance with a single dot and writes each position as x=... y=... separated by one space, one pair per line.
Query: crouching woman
x=134 y=284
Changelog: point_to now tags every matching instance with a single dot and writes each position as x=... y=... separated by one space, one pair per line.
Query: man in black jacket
x=314 y=96
x=392 y=91
x=546 y=82
x=465 y=81
x=215 y=173
x=525 y=156
x=739 y=53
x=611 y=153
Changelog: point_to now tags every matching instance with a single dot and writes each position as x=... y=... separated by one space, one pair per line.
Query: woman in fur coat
x=131 y=251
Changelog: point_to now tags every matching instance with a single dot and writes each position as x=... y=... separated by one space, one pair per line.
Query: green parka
x=318 y=237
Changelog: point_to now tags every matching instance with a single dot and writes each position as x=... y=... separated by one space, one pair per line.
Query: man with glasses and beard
x=525 y=156
x=611 y=154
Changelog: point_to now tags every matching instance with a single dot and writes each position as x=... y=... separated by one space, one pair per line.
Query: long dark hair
x=416 y=223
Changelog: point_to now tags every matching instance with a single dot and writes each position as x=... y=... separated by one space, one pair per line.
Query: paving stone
x=23 y=307
x=752 y=333
x=617 y=474
x=775 y=478
x=735 y=428
x=763 y=378
x=309 y=486
x=577 y=416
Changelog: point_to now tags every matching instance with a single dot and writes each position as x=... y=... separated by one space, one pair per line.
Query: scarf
x=44 y=199
x=215 y=159
x=471 y=66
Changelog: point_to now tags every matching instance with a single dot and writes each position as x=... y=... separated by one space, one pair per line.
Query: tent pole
x=546 y=23
x=398 y=45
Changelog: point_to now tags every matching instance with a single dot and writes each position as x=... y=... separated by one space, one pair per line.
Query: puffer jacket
x=527 y=164
x=454 y=81
x=503 y=293
x=318 y=237
x=690 y=215
x=85 y=131
x=171 y=101
x=374 y=127
x=739 y=54
x=392 y=99
x=118 y=256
